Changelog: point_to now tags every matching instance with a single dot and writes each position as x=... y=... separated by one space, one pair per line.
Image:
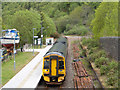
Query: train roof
x=59 y=46
x=62 y=39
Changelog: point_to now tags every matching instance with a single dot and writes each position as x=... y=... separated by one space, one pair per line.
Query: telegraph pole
x=1 y=67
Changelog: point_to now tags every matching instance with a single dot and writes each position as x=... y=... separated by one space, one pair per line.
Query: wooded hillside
x=69 y=18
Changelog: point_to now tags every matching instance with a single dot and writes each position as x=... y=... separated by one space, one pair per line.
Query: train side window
x=61 y=65
x=46 y=64
x=63 y=42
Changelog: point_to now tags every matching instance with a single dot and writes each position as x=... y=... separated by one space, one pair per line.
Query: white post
x=14 y=53
x=1 y=67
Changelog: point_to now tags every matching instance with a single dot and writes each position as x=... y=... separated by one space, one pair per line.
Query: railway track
x=43 y=86
x=82 y=79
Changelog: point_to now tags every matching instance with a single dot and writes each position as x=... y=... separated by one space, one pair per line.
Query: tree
x=105 y=22
x=61 y=23
x=24 y=21
x=0 y=21
x=48 y=24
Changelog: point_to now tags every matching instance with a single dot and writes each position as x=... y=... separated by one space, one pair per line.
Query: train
x=54 y=63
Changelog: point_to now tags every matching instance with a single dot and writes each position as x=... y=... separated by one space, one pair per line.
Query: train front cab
x=54 y=69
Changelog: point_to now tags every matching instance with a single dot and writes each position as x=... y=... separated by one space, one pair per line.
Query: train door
x=53 y=67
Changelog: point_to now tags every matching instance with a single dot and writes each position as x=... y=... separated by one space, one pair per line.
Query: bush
x=85 y=41
x=93 y=50
x=102 y=53
x=91 y=57
x=113 y=65
x=112 y=78
x=90 y=43
x=104 y=69
x=93 y=44
x=94 y=54
x=77 y=30
x=101 y=61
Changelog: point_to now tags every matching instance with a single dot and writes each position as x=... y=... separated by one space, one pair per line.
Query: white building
x=49 y=41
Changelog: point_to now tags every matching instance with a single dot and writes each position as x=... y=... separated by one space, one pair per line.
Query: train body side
x=54 y=68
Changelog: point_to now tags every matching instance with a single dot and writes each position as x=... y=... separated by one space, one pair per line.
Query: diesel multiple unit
x=54 y=68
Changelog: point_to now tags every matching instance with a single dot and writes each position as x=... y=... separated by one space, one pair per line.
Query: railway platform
x=30 y=75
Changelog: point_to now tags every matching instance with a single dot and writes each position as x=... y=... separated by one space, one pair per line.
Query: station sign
x=49 y=41
x=39 y=41
x=35 y=36
x=41 y=35
x=35 y=41
x=15 y=51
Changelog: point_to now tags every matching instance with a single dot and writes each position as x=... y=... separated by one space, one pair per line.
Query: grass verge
x=38 y=47
x=22 y=58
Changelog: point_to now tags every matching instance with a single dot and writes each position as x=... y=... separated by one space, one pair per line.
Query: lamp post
x=14 y=53
x=33 y=41
x=1 y=51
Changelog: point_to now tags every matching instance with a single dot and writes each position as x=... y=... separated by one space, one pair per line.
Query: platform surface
x=30 y=75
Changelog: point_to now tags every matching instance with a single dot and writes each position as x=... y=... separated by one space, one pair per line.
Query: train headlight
x=46 y=70
x=60 y=79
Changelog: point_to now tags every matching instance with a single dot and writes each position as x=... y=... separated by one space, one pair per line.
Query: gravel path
x=68 y=83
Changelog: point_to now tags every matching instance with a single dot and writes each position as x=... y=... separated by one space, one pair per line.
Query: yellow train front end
x=54 y=69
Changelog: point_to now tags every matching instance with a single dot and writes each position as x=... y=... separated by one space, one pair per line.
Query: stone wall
x=111 y=46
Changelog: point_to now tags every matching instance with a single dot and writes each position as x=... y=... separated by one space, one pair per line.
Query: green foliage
x=77 y=30
x=48 y=24
x=101 y=61
x=24 y=22
x=73 y=6
x=107 y=67
x=111 y=70
x=113 y=65
x=65 y=14
x=94 y=49
x=75 y=15
x=0 y=23
x=105 y=22
x=104 y=69
x=61 y=23
x=90 y=42
x=101 y=53
x=80 y=14
x=95 y=55
x=55 y=35
x=112 y=78
x=83 y=52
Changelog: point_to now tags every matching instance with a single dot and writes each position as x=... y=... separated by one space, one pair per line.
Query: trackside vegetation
x=107 y=66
